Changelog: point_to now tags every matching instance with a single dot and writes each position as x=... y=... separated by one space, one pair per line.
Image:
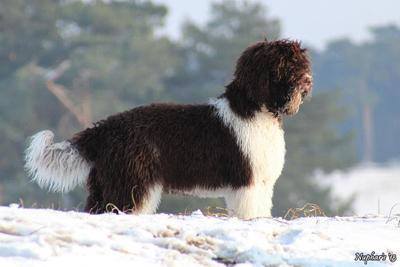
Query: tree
x=208 y=55
x=67 y=63
x=367 y=74
x=209 y=52
x=313 y=138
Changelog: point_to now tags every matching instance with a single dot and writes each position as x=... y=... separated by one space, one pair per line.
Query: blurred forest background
x=65 y=64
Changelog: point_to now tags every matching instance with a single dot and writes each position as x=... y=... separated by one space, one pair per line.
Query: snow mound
x=375 y=187
x=32 y=237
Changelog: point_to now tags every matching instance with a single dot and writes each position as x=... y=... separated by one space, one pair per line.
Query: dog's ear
x=287 y=59
x=251 y=76
x=251 y=80
x=289 y=63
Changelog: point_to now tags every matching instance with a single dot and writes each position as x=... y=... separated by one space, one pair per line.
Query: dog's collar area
x=223 y=105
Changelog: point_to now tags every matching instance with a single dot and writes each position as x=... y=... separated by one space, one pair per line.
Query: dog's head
x=274 y=74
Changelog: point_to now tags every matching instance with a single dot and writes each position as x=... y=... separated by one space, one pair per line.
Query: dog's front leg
x=250 y=202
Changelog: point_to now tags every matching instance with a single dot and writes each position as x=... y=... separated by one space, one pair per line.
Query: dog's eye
x=303 y=94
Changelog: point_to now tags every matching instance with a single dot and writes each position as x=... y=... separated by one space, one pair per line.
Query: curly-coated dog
x=231 y=147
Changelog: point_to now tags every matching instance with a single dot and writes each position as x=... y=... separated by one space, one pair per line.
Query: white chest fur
x=260 y=138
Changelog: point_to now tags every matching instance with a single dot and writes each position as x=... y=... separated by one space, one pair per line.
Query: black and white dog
x=232 y=147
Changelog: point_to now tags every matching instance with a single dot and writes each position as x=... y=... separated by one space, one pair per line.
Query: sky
x=314 y=22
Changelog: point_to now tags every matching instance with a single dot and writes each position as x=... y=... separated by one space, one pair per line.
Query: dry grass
x=394 y=216
x=217 y=212
x=111 y=208
x=308 y=210
x=35 y=205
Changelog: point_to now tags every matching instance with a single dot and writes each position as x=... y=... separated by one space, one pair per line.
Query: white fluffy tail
x=56 y=166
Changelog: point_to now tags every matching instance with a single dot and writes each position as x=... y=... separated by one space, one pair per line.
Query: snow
x=375 y=187
x=38 y=237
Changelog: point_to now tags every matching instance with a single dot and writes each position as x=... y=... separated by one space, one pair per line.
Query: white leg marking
x=152 y=200
x=250 y=202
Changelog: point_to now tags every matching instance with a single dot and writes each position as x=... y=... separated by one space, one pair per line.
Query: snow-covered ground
x=376 y=188
x=32 y=237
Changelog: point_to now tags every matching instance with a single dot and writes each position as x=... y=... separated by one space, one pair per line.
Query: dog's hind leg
x=137 y=198
x=94 y=201
x=148 y=182
x=129 y=180
x=151 y=200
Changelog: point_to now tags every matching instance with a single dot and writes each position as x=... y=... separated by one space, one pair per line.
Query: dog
x=231 y=147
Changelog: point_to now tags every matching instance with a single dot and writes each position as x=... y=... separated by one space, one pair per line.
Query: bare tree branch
x=59 y=91
x=81 y=112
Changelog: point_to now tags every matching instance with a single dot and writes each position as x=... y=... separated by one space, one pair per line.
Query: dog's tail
x=56 y=166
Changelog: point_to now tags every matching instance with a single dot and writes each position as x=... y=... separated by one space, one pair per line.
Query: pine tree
x=64 y=64
x=368 y=75
x=313 y=138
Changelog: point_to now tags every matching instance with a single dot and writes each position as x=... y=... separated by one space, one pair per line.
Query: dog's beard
x=293 y=106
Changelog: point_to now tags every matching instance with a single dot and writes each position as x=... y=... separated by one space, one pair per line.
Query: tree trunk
x=368 y=133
